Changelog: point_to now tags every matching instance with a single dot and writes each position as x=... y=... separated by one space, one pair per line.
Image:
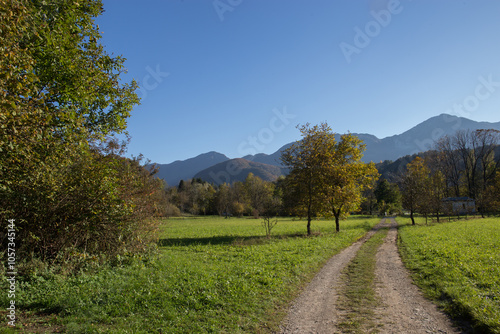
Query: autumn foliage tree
x=304 y=159
x=414 y=184
x=327 y=177
x=346 y=177
x=60 y=99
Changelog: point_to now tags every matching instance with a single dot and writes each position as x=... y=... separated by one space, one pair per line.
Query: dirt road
x=403 y=309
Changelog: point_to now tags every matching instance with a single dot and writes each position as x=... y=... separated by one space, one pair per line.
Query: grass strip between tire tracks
x=358 y=298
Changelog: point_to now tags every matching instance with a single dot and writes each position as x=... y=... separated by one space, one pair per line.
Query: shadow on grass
x=230 y=240
x=216 y=240
x=254 y=239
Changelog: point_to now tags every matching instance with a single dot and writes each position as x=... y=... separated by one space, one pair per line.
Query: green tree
x=223 y=200
x=437 y=192
x=388 y=193
x=414 y=186
x=345 y=176
x=494 y=193
x=60 y=96
x=369 y=203
x=304 y=159
x=327 y=177
x=259 y=193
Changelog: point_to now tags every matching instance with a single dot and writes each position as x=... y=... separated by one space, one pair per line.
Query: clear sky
x=237 y=76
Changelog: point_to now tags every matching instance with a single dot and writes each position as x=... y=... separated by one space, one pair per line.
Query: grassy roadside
x=212 y=276
x=358 y=298
x=457 y=264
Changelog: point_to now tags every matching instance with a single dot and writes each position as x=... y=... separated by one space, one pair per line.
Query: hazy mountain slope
x=270 y=159
x=420 y=138
x=186 y=169
x=417 y=139
x=237 y=170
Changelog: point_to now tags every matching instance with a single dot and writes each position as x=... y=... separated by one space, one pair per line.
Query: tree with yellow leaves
x=414 y=186
x=326 y=177
x=346 y=177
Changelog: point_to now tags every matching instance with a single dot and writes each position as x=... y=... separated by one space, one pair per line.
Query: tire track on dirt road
x=314 y=311
x=403 y=308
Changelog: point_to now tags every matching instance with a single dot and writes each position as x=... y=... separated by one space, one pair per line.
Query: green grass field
x=458 y=265
x=213 y=275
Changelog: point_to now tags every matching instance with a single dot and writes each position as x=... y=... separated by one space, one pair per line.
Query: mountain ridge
x=178 y=170
x=419 y=138
x=237 y=170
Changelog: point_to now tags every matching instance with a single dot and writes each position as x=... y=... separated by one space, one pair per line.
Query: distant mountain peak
x=238 y=170
x=185 y=169
x=419 y=138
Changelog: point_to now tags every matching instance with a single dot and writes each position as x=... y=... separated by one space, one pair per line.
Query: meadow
x=457 y=264
x=210 y=275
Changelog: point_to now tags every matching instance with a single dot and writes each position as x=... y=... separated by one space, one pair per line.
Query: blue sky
x=237 y=76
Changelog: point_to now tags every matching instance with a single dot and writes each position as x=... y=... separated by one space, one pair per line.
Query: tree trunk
x=412 y=219
x=309 y=207
x=337 y=223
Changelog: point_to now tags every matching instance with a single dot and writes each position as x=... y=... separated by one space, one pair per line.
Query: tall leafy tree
x=437 y=191
x=345 y=177
x=327 y=177
x=60 y=96
x=259 y=193
x=305 y=159
x=414 y=186
x=223 y=200
x=388 y=196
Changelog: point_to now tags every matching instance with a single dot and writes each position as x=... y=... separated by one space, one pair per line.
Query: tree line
x=463 y=165
x=253 y=197
x=328 y=179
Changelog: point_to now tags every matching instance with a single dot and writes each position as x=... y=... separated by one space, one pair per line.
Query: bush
x=94 y=203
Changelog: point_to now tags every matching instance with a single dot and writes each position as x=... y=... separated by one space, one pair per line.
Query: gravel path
x=404 y=310
x=314 y=310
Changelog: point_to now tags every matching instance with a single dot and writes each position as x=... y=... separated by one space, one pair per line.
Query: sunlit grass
x=211 y=275
x=458 y=264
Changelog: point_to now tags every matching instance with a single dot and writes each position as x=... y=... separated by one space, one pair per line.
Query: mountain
x=237 y=170
x=392 y=170
x=420 y=138
x=173 y=172
x=269 y=159
x=417 y=139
